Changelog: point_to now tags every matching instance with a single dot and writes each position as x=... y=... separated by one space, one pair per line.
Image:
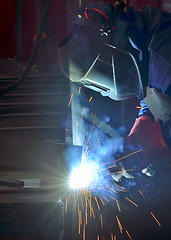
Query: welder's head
x=89 y=56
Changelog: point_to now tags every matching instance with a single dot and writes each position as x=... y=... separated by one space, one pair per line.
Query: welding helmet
x=85 y=56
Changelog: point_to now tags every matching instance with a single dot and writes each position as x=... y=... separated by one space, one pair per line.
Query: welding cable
x=32 y=56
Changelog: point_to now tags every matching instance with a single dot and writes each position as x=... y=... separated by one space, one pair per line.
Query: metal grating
x=38 y=108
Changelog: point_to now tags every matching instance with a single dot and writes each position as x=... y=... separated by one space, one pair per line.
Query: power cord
x=34 y=51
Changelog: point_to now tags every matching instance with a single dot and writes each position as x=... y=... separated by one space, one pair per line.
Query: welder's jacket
x=146 y=34
x=150 y=32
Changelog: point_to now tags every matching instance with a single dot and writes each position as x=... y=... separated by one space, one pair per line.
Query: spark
x=90 y=133
x=82 y=114
x=79 y=91
x=82 y=202
x=86 y=201
x=79 y=223
x=81 y=218
x=90 y=99
x=86 y=214
x=114 y=237
x=90 y=206
x=67 y=130
x=97 y=203
x=106 y=199
x=119 y=160
x=111 y=236
x=122 y=188
x=128 y=155
x=141 y=194
x=70 y=100
x=78 y=209
x=102 y=201
x=139 y=107
x=116 y=203
x=97 y=237
x=101 y=221
x=93 y=212
x=112 y=189
x=131 y=202
x=84 y=232
x=128 y=234
x=156 y=219
x=120 y=226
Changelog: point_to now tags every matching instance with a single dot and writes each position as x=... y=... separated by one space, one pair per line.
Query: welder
x=122 y=54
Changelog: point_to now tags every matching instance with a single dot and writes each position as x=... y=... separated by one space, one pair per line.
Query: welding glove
x=146 y=141
x=147 y=133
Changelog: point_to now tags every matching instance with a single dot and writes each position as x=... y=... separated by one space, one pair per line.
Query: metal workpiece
x=34 y=170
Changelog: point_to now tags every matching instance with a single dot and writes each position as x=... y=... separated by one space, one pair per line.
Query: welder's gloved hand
x=144 y=148
x=148 y=135
x=128 y=163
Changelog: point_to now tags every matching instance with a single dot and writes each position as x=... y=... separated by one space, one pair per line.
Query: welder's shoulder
x=157 y=18
x=159 y=31
x=152 y=16
x=154 y=12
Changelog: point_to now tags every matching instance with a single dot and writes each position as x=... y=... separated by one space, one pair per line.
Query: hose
x=32 y=56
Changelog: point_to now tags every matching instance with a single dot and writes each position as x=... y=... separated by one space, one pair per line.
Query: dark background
x=16 y=44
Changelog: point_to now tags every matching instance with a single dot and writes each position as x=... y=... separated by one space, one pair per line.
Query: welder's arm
x=165 y=127
x=148 y=134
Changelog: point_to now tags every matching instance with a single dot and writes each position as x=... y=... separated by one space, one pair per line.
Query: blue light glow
x=83 y=175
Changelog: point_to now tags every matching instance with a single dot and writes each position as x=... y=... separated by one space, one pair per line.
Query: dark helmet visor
x=99 y=66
